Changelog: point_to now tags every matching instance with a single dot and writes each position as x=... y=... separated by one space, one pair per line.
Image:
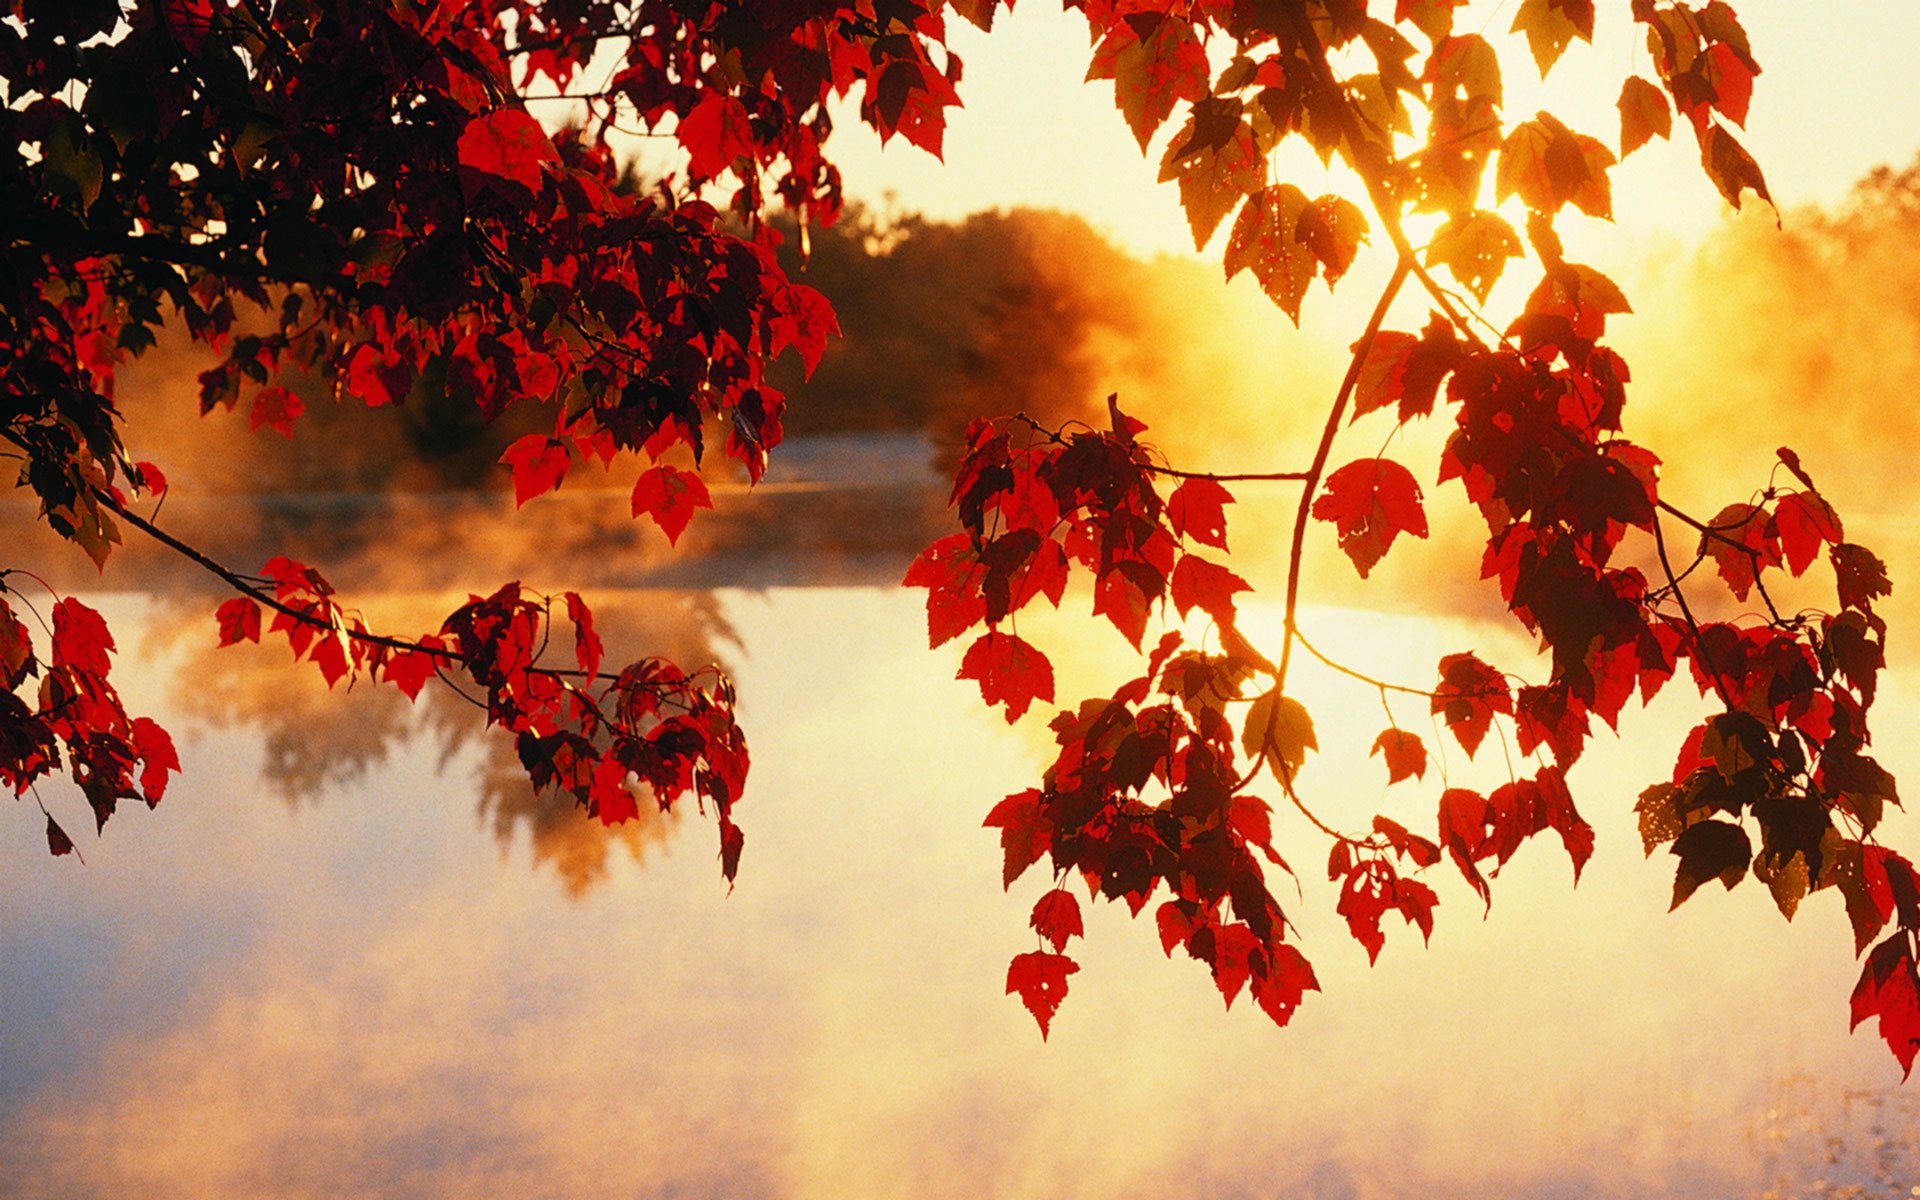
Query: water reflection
x=316 y=742
x=351 y=998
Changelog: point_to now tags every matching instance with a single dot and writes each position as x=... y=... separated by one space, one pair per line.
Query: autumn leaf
x=587 y=648
x=1280 y=729
x=1334 y=229
x=1742 y=542
x=1197 y=509
x=1550 y=25
x=1010 y=672
x=950 y=570
x=669 y=496
x=1889 y=989
x=1548 y=165
x=1208 y=586
x=1025 y=834
x=1709 y=850
x=1056 y=917
x=1371 y=502
x=1644 y=114
x=1730 y=167
x=149 y=478
x=409 y=670
x=1213 y=182
x=504 y=146
x=81 y=639
x=538 y=463
x=1263 y=241
x=1470 y=693
x=1154 y=60
x=1858 y=575
x=1405 y=754
x=1805 y=522
x=1464 y=818
x=1474 y=246
x=158 y=759
x=239 y=620
x=1041 y=980
x=1465 y=68
x=714 y=134
x=1732 y=82
x=58 y=843
x=1408 y=845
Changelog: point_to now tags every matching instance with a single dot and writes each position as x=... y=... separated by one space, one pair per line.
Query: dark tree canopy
x=354 y=194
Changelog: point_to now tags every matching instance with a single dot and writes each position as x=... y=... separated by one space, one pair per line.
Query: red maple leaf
x=587 y=649
x=1024 y=832
x=1289 y=977
x=81 y=639
x=1041 y=980
x=157 y=757
x=149 y=478
x=409 y=670
x=1405 y=753
x=951 y=572
x=1207 y=586
x=1465 y=817
x=715 y=133
x=1056 y=917
x=57 y=840
x=504 y=147
x=538 y=463
x=1009 y=670
x=1805 y=522
x=1371 y=502
x=1469 y=694
x=1889 y=989
x=669 y=495
x=1197 y=509
x=239 y=620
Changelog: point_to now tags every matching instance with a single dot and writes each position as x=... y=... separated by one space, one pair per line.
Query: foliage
x=356 y=191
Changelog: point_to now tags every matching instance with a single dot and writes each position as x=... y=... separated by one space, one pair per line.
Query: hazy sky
x=1837 y=96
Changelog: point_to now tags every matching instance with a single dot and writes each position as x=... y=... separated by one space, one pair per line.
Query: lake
x=348 y=956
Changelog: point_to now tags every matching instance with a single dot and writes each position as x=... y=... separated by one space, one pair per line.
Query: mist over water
x=351 y=954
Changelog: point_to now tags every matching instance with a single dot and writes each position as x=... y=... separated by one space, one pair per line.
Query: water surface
x=349 y=956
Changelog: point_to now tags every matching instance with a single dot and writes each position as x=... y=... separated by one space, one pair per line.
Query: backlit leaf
x=669 y=496
x=1371 y=502
x=538 y=463
x=1056 y=917
x=504 y=146
x=1475 y=247
x=1213 y=182
x=1009 y=670
x=1041 y=981
x=1644 y=114
x=1279 y=728
x=1197 y=509
x=1153 y=60
x=1405 y=754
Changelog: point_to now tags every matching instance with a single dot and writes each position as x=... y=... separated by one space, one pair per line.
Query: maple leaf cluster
x=361 y=193
x=75 y=718
x=1147 y=791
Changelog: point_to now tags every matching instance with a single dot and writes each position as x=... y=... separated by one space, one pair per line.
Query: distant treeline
x=1001 y=312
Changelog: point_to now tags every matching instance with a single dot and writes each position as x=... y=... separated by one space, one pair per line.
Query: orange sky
x=1837 y=96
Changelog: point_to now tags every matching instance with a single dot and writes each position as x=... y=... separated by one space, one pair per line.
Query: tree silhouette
x=355 y=193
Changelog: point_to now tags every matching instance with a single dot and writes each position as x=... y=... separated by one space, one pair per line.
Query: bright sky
x=1838 y=96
